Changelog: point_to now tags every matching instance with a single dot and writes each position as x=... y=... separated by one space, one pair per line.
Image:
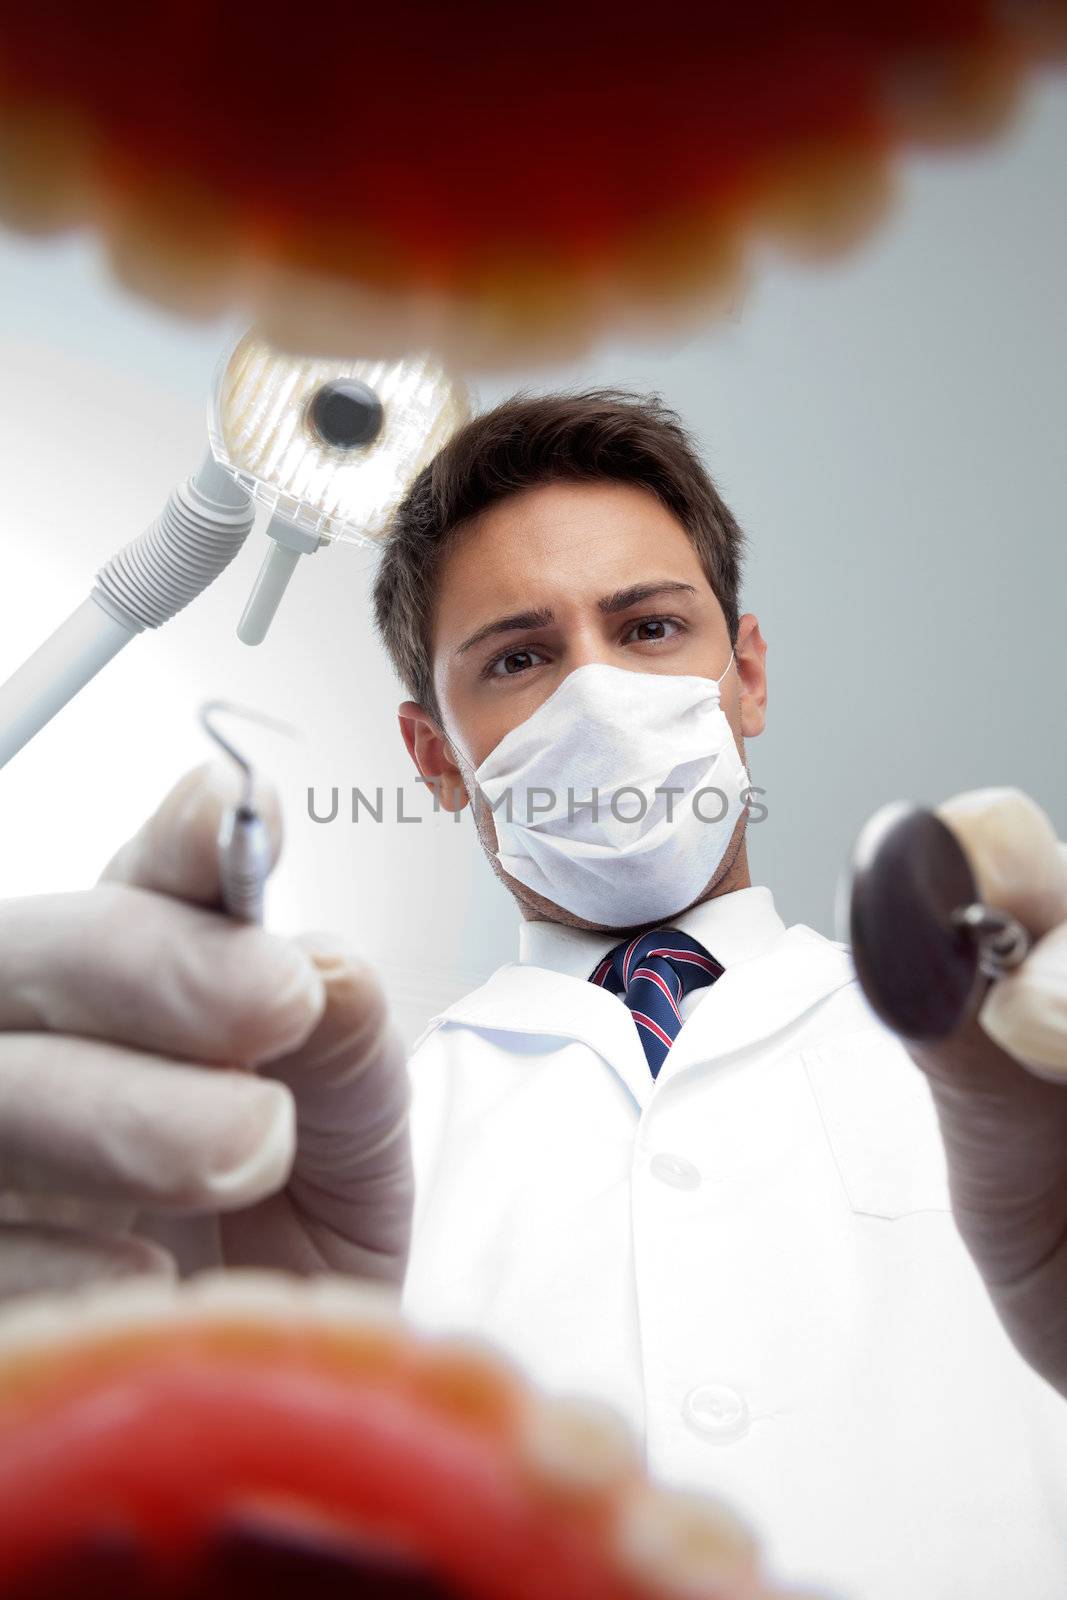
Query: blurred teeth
x=187 y=248
x=47 y=161
x=823 y=201
x=495 y=323
x=228 y=1299
x=38 y=1324
x=176 y=246
x=577 y=1448
x=1037 y=26
x=324 y=1301
x=461 y=1377
x=689 y=265
x=683 y=1546
x=955 y=98
x=309 y=315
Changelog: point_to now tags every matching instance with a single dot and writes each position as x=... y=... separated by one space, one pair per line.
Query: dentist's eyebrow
x=623 y=599
x=520 y=619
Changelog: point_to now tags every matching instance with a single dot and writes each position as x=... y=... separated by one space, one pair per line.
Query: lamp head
x=329 y=447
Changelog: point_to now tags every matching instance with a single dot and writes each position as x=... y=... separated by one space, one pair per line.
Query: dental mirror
x=923 y=943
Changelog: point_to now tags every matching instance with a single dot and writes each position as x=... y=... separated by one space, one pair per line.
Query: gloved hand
x=1000 y=1086
x=179 y=1090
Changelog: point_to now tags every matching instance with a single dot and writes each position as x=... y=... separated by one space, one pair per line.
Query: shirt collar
x=731 y=927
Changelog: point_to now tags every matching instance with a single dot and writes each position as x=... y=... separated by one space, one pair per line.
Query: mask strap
x=725 y=669
x=456 y=746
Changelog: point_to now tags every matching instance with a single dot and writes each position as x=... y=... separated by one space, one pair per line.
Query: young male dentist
x=666 y=1157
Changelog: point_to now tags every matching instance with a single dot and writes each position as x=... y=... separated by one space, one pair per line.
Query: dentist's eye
x=651 y=629
x=516 y=661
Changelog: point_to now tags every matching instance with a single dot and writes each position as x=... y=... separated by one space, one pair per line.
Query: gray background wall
x=889 y=430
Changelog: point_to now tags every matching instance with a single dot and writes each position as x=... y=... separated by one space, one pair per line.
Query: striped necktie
x=651 y=974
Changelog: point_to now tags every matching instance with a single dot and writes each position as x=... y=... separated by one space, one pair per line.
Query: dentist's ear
x=432 y=755
x=750 y=652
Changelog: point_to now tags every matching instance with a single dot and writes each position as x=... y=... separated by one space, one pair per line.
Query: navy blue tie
x=651 y=974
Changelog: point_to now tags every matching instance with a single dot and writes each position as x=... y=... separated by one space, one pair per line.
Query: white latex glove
x=1000 y=1086
x=179 y=1090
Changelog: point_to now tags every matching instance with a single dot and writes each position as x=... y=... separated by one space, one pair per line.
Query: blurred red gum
x=497 y=188
x=162 y=1441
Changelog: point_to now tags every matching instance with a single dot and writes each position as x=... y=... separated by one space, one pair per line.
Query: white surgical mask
x=616 y=799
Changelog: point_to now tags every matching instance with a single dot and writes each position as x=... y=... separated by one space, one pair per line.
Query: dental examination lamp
x=329 y=447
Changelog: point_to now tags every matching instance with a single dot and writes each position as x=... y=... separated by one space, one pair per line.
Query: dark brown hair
x=530 y=440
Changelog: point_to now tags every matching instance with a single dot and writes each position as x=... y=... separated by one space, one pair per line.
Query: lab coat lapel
x=759 y=997
x=528 y=1000
x=749 y=1002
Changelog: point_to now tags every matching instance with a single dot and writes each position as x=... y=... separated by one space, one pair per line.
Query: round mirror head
x=917 y=966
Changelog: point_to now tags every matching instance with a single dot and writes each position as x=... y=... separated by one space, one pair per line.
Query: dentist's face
x=556 y=578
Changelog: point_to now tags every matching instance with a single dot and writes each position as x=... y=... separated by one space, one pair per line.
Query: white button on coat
x=675 y=1170
x=810 y=1285
x=716 y=1412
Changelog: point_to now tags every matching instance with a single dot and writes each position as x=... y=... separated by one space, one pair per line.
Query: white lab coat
x=753 y=1258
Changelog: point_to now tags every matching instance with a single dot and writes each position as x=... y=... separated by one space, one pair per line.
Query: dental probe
x=243 y=839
